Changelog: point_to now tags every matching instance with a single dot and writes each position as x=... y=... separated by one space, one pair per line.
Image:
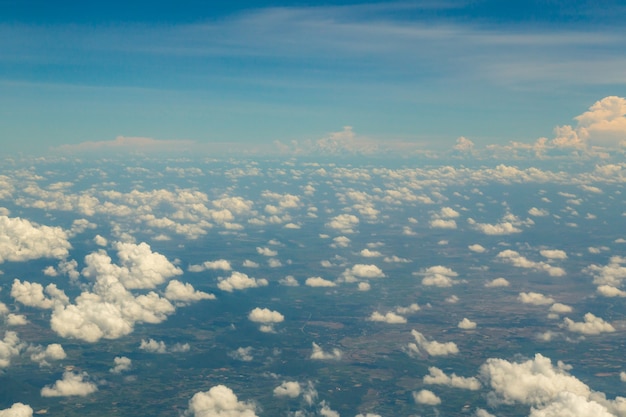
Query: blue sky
x=256 y=72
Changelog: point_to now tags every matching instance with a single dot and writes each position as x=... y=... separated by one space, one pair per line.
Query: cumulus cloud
x=514 y=258
x=17 y=410
x=466 y=324
x=553 y=254
x=534 y=298
x=72 y=384
x=268 y=318
x=243 y=354
x=497 y=282
x=32 y=294
x=477 y=248
x=185 y=293
x=534 y=211
x=16 y=320
x=437 y=377
x=240 y=281
x=219 y=401
x=438 y=276
x=289 y=389
x=390 y=317
x=502 y=228
x=426 y=397
x=221 y=264
x=592 y=325
x=362 y=271
x=319 y=354
x=319 y=282
x=345 y=223
x=121 y=364
x=52 y=352
x=25 y=241
x=10 y=347
x=153 y=346
x=266 y=251
x=443 y=224
x=289 y=281
x=431 y=347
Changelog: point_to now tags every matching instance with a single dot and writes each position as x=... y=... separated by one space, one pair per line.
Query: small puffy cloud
x=426 y=397
x=289 y=281
x=221 y=264
x=534 y=211
x=265 y=315
x=345 y=223
x=498 y=282
x=289 y=389
x=364 y=286
x=32 y=294
x=185 y=293
x=341 y=242
x=10 y=347
x=438 y=276
x=466 y=324
x=367 y=271
x=52 y=352
x=17 y=410
x=604 y=124
x=560 y=308
x=219 y=401
x=319 y=354
x=240 y=281
x=477 y=248
x=250 y=264
x=610 y=291
x=319 y=282
x=390 y=318
x=266 y=251
x=592 y=325
x=153 y=346
x=622 y=376
x=16 y=320
x=72 y=384
x=498 y=229
x=25 y=241
x=367 y=253
x=514 y=258
x=120 y=364
x=443 y=224
x=408 y=310
x=534 y=298
x=437 y=377
x=100 y=240
x=431 y=347
x=553 y=254
x=243 y=354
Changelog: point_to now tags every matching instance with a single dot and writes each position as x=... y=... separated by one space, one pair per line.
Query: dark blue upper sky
x=427 y=71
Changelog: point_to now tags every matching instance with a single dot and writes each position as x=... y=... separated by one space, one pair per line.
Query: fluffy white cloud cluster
x=22 y=240
x=319 y=354
x=17 y=410
x=221 y=264
x=52 y=352
x=438 y=276
x=426 y=397
x=10 y=347
x=289 y=389
x=32 y=294
x=466 y=324
x=154 y=346
x=514 y=258
x=609 y=278
x=268 y=318
x=72 y=384
x=534 y=298
x=498 y=229
x=242 y=354
x=185 y=293
x=345 y=223
x=497 y=282
x=437 y=377
x=390 y=317
x=240 y=281
x=319 y=282
x=592 y=325
x=219 y=401
x=431 y=347
x=121 y=364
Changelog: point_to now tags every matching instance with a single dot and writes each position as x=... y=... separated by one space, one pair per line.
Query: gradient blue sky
x=254 y=72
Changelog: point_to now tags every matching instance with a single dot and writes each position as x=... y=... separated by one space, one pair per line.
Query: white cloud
x=10 y=347
x=466 y=324
x=367 y=253
x=503 y=228
x=409 y=309
x=438 y=276
x=319 y=282
x=497 y=282
x=153 y=346
x=477 y=248
x=390 y=318
x=367 y=271
x=610 y=291
x=221 y=264
x=266 y=251
x=100 y=240
x=219 y=401
x=345 y=223
x=185 y=293
x=431 y=347
x=591 y=325
x=443 y=224
x=514 y=258
x=243 y=354
x=72 y=384
x=553 y=254
x=364 y=286
x=32 y=294
x=289 y=389
x=560 y=308
x=571 y=405
x=17 y=410
x=319 y=354
x=24 y=241
x=16 y=320
x=426 y=397
x=289 y=281
x=240 y=281
x=341 y=242
x=534 y=211
x=52 y=352
x=534 y=298
x=265 y=315
x=121 y=364
x=437 y=377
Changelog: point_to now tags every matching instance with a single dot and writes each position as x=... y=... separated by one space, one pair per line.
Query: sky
x=242 y=75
